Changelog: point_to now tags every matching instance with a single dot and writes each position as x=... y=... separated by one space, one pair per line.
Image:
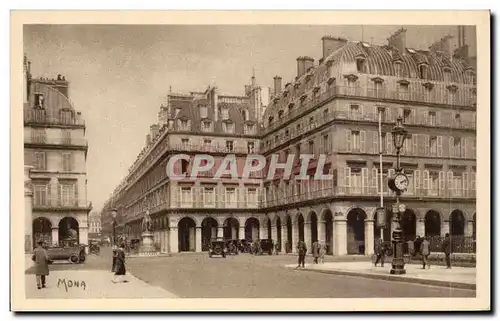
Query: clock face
x=401 y=182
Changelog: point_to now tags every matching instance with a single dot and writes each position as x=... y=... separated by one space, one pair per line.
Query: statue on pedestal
x=147 y=245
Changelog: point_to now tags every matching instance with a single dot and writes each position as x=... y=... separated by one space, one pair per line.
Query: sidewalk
x=457 y=277
x=69 y=285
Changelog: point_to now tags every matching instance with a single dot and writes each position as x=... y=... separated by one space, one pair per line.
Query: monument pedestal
x=147 y=244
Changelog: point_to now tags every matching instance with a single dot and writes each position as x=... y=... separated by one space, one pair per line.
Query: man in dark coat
x=315 y=250
x=41 y=259
x=424 y=252
x=447 y=250
x=120 y=270
x=302 y=250
x=379 y=252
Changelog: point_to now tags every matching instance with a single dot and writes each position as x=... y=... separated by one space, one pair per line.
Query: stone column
x=295 y=236
x=262 y=231
x=198 y=239
x=307 y=236
x=234 y=232
x=340 y=234
x=174 y=240
x=274 y=234
x=213 y=232
x=28 y=211
x=242 y=232
x=469 y=228
x=284 y=237
x=369 y=237
x=55 y=235
x=445 y=227
x=322 y=232
x=220 y=231
x=420 y=227
x=83 y=232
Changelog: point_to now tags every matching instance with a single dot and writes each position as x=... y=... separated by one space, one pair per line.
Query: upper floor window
x=184 y=124
x=251 y=147
x=228 y=128
x=203 y=112
x=206 y=126
x=177 y=111
x=447 y=74
x=280 y=114
x=249 y=129
x=225 y=113
x=66 y=162
x=40 y=161
x=270 y=120
x=66 y=136
x=39 y=100
x=432 y=118
x=361 y=65
x=229 y=145
x=422 y=70
x=66 y=116
x=38 y=136
x=185 y=142
x=398 y=69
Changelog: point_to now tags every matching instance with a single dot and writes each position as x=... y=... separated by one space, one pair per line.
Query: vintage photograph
x=286 y=161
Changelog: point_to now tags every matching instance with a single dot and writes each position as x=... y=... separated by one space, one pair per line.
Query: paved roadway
x=195 y=275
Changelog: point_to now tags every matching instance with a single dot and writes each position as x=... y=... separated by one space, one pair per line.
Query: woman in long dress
x=120 y=270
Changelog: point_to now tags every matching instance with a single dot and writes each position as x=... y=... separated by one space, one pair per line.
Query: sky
x=120 y=74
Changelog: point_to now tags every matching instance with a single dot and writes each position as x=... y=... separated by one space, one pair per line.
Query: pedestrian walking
x=424 y=252
x=447 y=250
x=302 y=250
x=114 y=251
x=120 y=270
x=379 y=252
x=315 y=250
x=277 y=248
x=322 y=252
x=42 y=260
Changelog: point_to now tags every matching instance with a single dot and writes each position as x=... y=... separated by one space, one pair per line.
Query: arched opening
x=388 y=226
x=457 y=223
x=409 y=225
x=314 y=228
x=42 y=231
x=231 y=229
x=432 y=223
x=269 y=229
x=208 y=231
x=356 y=231
x=328 y=237
x=474 y=226
x=252 y=226
x=69 y=232
x=289 y=235
x=278 y=233
x=187 y=235
x=300 y=226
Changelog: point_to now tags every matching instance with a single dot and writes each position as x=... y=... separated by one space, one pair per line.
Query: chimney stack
x=155 y=130
x=277 y=85
x=443 y=44
x=300 y=66
x=148 y=139
x=308 y=63
x=331 y=44
x=398 y=40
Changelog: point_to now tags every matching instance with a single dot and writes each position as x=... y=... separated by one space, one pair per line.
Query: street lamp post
x=113 y=216
x=399 y=183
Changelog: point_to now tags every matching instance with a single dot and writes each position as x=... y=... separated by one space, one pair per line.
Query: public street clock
x=399 y=183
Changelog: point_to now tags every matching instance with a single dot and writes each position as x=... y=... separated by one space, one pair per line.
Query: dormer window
x=403 y=85
x=184 y=124
x=228 y=127
x=225 y=113
x=428 y=86
x=203 y=112
x=447 y=74
x=270 y=120
x=398 y=69
x=280 y=114
x=422 y=70
x=177 y=111
x=206 y=126
x=360 y=64
x=470 y=77
x=249 y=129
x=39 y=100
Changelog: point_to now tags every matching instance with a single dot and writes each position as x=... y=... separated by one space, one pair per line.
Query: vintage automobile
x=75 y=253
x=266 y=246
x=245 y=246
x=94 y=247
x=232 y=247
x=217 y=247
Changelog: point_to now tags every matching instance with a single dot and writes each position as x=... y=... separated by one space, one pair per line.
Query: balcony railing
x=60 y=141
x=436 y=97
x=59 y=203
x=41 y=117
x=212 y=149
x=189 y=203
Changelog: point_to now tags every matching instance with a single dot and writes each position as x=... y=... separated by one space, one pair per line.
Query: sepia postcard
x=250 y=161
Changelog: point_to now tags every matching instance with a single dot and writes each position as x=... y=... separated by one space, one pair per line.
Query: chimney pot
x=277 y=85
x=398 y=40
x=332 y=44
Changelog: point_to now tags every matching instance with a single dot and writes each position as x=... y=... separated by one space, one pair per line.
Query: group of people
x=318 y=252
x=424 y=250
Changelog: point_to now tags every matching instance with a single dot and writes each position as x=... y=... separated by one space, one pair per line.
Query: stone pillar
x=234 y=232
x=174 y=240
x=274 y=234
x=220 y=231
x=369 y=237
x=321 y=232
x=198 y=239
x=242 y=232
x=469 y=228
x=28 y=211
x=166 y=248
x=420 y=227
x=445 y=227
x=284 y=237
x=55 y=235
x=295 y=236
x=307 y=236
x=262 y=231
x=340 y=234
x=213 y=232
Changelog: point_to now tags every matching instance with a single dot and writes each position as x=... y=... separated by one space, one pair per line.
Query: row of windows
x=39 y=135
x=218 y=196
x=207 y=126
x=66 y=193
x=156 y=198
x=208 y=146
x=38 y=160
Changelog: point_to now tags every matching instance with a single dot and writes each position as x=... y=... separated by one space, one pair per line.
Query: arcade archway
x=42 y=231
x=252 y=226
x=432 y=223
x=457 y=223
x=231 y=229
x=356 y=231
x=328 y=237
x=409 y=225
x=69 y=230
x=314 y=227
x=208 y=231
x=187 y=235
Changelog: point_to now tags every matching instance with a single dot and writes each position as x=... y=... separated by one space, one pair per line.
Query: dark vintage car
x=73 y=253
x=232 y=247
x=217 y=247
x=245 y=246
x=266 y=246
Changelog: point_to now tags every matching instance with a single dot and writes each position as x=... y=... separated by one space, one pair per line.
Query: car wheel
x=74 y=259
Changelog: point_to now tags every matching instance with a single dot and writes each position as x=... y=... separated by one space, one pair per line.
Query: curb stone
x=389 y=277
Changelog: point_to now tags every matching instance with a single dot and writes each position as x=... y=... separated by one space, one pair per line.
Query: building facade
x=56 y=150
x=330 y=108
x=95 y=228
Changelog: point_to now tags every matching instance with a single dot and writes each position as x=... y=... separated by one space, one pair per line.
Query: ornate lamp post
x=113 y=216
x=399 y=184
